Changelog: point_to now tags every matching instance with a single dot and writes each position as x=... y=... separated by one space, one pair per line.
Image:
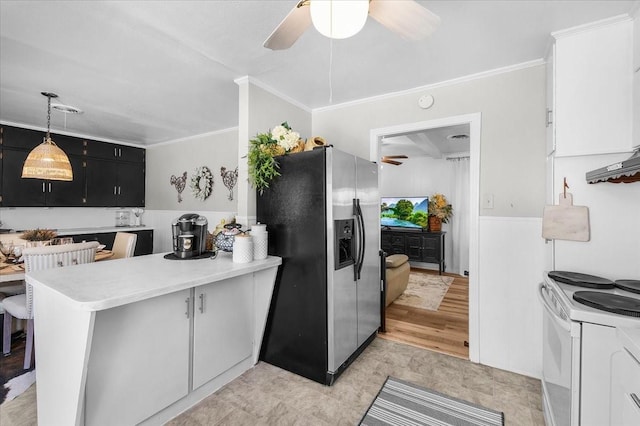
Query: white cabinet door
x=593 y=86
x=551 y=136
x=625 y=389
x=138 y=349
x=223 y=329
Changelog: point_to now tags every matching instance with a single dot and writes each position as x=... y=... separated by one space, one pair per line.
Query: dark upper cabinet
x=18 y=192
x=109 y=151
x=114 y=183
x=97 y=183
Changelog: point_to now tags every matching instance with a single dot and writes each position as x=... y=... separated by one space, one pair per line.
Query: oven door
x=560 y=362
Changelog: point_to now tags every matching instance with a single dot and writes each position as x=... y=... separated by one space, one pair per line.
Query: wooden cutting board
x=566 y=221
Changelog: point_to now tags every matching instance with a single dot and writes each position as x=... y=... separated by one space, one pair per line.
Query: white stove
x=578 y=344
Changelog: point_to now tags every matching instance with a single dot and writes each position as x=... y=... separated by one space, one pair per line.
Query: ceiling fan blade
x=291 y=28
x=407 y=18
x=388 y=161
x=395 y=156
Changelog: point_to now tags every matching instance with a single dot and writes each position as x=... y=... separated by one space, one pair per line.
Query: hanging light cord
x=330 y=71
x=48 y=116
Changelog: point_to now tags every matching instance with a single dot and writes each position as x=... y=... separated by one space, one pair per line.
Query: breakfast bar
x=139 y=340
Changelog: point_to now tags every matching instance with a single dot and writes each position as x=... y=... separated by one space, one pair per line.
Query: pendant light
x=47 y=161
x=339 y=18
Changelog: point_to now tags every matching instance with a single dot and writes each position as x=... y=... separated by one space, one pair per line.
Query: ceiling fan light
x=339 y=18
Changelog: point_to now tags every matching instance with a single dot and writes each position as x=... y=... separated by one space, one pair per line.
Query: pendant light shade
x=47 y=160
x=339 y=18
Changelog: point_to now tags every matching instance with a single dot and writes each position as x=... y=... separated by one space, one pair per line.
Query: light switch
x=487 y=201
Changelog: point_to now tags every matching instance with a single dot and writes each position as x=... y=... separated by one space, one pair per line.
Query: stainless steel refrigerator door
x=341 y=287
x=368 y=286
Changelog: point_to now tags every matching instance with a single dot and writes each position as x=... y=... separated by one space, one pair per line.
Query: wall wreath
x=201 y=183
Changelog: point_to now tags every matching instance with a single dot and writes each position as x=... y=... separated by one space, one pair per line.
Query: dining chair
x=35 y=259
x=124 y=245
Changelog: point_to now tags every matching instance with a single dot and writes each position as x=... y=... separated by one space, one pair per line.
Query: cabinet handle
x=115 y=190
x=43 y=190
x=549 y=117
x=187 y=302
x=635 y=399
x=119 y=152
x=115 y=151
x=49 y=186
x=119 y=190
x=201 y=308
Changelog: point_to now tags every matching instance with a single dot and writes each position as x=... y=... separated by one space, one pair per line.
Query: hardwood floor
x=445 y=330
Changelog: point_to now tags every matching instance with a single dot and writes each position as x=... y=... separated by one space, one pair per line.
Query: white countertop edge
x=132 y=295
x=630 y=339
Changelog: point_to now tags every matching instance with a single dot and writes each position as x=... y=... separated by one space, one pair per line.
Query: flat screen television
x=404 y=212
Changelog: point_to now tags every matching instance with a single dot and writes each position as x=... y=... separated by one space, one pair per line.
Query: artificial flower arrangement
x=39 y=235
x=440 y=208
x=263 y=168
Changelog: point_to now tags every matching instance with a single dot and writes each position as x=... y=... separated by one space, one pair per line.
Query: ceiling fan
x=407 y=18
x=389 y=159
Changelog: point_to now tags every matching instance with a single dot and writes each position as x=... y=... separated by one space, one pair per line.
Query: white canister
x=258 y=228
x=242 y=248
x=260 y=245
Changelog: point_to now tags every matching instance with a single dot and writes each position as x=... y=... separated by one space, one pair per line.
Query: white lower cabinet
x=223 y=327
x=138 y=349
x=625 y=389
x=147 y=348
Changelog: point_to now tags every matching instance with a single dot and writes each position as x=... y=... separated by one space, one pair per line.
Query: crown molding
x=452 y=82
x=591 y=26
x=188 y=138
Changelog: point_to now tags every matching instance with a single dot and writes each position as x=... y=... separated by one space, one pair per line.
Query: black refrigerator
x=322 y=215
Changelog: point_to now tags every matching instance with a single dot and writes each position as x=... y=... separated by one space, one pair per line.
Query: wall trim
x=248 y=79
x=591 y=26
x=459 y=80
x=213 y=133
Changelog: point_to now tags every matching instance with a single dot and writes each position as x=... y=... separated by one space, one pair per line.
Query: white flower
x=289 y=141
x=278 y=133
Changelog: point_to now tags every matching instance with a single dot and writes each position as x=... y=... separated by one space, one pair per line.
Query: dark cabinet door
x=101 y=183
x=67 y=194
x=144 y=243
x=18 y=192
x=110 y=151
x=414 y=247
x=69 y=144
x=16 y=137
x=130 y=192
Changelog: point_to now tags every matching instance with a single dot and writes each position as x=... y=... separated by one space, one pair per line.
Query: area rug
x=19 y=384
x=406 y=404
x=425 y=291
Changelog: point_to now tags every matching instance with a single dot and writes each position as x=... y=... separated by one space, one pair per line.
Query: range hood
x=621 y=172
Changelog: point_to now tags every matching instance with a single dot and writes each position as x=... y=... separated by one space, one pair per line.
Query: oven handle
x=566 y=325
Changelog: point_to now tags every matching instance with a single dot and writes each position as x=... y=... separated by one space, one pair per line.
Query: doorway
x=473 y=121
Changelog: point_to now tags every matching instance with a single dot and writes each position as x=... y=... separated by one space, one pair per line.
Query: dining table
x=15 y=271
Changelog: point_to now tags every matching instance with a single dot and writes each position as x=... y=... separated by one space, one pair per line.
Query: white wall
x=214 y=150
x=512 y=169
x=512 y=163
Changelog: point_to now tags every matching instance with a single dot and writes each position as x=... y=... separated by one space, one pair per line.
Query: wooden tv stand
x=420 y=246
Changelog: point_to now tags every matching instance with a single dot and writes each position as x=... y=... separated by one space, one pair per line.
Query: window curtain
x=461 y=220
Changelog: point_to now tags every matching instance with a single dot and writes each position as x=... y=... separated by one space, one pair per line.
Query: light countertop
x=103 y=285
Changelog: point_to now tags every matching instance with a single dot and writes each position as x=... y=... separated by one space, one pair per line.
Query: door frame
x=474 y=120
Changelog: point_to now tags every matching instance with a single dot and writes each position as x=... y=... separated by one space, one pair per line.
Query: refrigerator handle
x=362 y=237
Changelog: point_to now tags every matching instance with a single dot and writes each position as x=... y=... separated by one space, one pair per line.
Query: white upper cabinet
x=551 y=136
x=592 y=88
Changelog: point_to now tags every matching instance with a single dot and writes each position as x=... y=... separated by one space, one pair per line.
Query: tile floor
x=267 y=395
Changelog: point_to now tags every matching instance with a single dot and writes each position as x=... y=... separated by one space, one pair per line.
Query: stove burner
x=581 y=280
x=629 y=285
x=609 y=302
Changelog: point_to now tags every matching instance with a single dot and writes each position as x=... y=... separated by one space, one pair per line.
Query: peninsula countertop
x=104 y=285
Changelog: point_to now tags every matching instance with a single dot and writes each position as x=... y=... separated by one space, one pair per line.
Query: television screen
x=404 y=212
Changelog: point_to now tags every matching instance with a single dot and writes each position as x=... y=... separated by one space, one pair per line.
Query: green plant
x=39 y=234
x=440 y=208
x=263 y=168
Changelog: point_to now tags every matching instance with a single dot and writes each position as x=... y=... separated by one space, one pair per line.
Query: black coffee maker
x=189 y=235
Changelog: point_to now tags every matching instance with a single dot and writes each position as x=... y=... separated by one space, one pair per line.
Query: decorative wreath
x=201 y=183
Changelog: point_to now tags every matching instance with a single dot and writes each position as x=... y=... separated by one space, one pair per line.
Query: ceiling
x=146 y=72
x=438 y=143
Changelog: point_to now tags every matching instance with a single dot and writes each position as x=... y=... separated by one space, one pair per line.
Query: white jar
x=242 y=248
